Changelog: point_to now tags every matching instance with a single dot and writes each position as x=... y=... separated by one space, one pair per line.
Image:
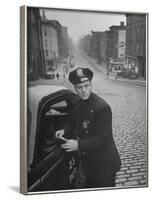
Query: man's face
x=84 y=89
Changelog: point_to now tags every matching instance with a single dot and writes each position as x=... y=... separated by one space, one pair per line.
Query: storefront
x=116 y=65
x=131 y=67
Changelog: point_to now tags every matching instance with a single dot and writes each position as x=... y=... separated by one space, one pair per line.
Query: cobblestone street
x=129 y=129
x=128 y=103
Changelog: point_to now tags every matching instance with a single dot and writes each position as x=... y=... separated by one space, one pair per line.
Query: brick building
x=135 y=58
x=88 y=44
x=65 y=41
x=103 y=47
x=35 y=55
x=52 y=44
x=95 y=44
x=116 y=40
x=85 y=44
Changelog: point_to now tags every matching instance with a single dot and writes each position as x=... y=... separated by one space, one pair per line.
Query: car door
x=53 y=168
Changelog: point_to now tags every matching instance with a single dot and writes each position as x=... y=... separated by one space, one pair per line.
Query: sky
x=81 y=23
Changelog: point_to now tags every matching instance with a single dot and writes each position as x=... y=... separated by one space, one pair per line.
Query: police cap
x=80 y=75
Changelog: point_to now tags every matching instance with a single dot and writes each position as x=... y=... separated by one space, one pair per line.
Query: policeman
x=95 y=144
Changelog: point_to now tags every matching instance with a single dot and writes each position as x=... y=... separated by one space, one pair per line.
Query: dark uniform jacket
x=97 y=149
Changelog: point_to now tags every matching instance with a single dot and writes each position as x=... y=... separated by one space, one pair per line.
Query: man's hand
x=70 y=145
x=59 y=133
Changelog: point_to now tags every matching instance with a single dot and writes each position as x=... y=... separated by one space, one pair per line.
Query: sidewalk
x=94 y=64
x=139 y=82
x=42 y=81
x=112 y=76
x=55 y=81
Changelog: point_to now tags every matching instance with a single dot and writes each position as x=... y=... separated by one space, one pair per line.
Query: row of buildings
x=47 y=44
x=121 y=48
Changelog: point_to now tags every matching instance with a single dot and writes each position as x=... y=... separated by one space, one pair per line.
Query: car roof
x=40 y=91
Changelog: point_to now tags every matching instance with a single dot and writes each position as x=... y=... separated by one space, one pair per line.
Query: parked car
x=132 y=74
x=50 y=167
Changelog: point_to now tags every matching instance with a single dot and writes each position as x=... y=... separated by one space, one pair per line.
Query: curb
x=92 y=63
x=33 y=83
x=128 y=82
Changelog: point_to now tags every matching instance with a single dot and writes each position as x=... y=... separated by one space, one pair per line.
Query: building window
x=45 y=31
x=46 y=43
x=46 y=53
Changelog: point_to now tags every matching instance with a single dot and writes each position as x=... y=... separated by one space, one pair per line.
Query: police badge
x=85 y=124
x=79 y=72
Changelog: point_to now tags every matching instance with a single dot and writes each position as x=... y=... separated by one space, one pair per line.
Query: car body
x=50 y=167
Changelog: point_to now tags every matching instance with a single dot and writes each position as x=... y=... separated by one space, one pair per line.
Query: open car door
x=53 y=168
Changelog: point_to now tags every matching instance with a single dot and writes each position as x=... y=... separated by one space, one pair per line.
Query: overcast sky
x=81 y=23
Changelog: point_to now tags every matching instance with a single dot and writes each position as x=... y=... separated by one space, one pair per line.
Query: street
x=128 y=103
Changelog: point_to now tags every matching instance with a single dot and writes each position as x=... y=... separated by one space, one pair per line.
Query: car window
x=58 y=108
x=55 y=115
x=60 y=104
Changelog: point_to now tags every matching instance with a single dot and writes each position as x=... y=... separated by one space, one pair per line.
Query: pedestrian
x=99 y=157
x=107 y=73
x=57 y=76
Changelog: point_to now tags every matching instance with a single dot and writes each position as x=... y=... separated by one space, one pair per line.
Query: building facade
x=95 y=44
x=52 y=41
x=116 y=41
x=103 y=47
x=55 y=42
x=35 y=54
x=135 y=58
x=65 y=41
x=85 y=44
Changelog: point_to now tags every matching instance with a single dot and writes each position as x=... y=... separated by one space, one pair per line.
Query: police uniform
x=96 y=146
